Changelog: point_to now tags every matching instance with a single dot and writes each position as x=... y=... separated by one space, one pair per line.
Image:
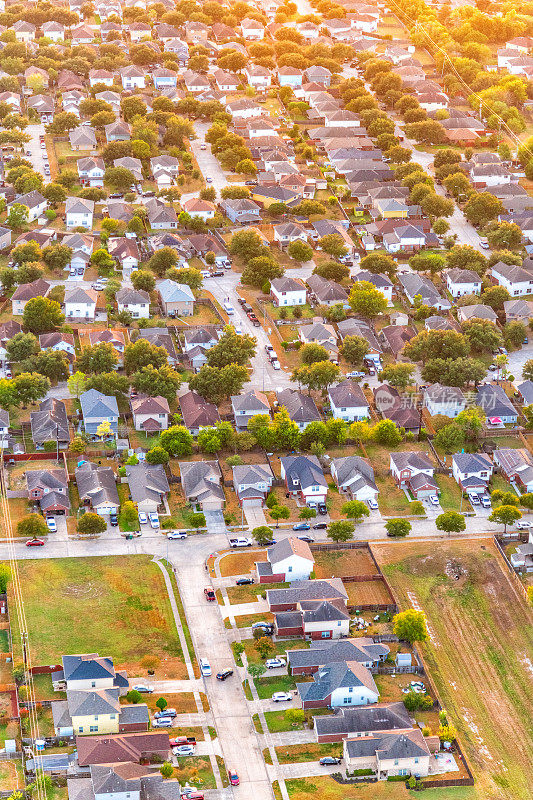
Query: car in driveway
x=485 y=501
x=35 y=543
x=281 y=697
x=275 y=663
x=309 y=539
x=163 y=722
x=51 y=524
x=241 y=541
x=434 y=500
x=523 y=524
x=233 y=777
x=276 y=365
x=329 y=761
x=301 y=526
x=154 y=519
x=318 y=526
x=372 y=504
x=474 y=499
x=183 y=750
x=226 y=673
x=176 y=535
x=167 y=712
x=266 y=627
x=143 y=519
x=188 y=793
x=113 y=519
x=244 y=581
x=322 y=509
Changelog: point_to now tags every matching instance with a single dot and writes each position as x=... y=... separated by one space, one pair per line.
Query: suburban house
x=391 y=754
x=127 y=780
x=316 y=620
x=50 y=424
x=517 y=280
x=327 y=293
x=447 y=401
x=59 y=342
x=113 y=337
x=4 y=427
x=348 y=401
x=363 y=650
x=196 y=342
x=496 y=405
x=354 y=476
x=348 y=723
x=462 y=281
x=135 y=301
x=80 y=304
x=330 y=589
x=472 y=471
x=247 y=405
x=34 y=202
x=82 y=138
x=150 y=414
x=419 y=286
x=304 y=478
x=79 y=212
x=49 y=487
x=96 y=409
x=197 y=413
x=91 y=171
x=522 y=558
x=339 y=684
x=414 y=471
x=124 y=747
x=97 y=488
x=252 y=483
x=201 y=484
x=148 y=485
x=516 y=465
x=27 y=291
x=300 y=407
x=518 y=311
x=177 y=299
x=288 y=292
x=288 y=560
x=161 y=337
x=476 y=311
x=89 y=671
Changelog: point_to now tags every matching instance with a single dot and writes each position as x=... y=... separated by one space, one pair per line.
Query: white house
x=132 y=77
x=197 y=207
x=354 y=476
x=448 y=401
x=4 y=426
x=150 y=414
x=517 y=280
x=472 y=470
x=86 y=672
x=136 y=302
x=304 y=478
x=390 y=753
x=91 y=171
x=288 y=292
x=339 y=684
x=80 y=304
x=462 y=281
x=288 y=560
x=348 y=401
x=34 y=202
x=79 y=212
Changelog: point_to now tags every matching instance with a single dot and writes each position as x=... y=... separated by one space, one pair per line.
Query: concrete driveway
x=255 y=517
x=214 y=521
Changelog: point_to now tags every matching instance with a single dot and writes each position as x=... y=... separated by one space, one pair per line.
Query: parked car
x=244 y=581
x=176 y=535
x=166 y=712
x=322 y=509
x=485 y=501
x=205 y=668
x=187 y=793
x=209 y=593
x=241 y=541
x=474 y=499
x=154 y=519
x=301 y=526
x=144 y=688
x=266 y=627
x=203 y=147
x=35 y=543
x=328 y=761
x=356 y=374
x=276 y=365
x=523 y=524
x=51 y=524
x=230 y=311
x=113 y=519
x=183 y=750
x=318 y=526
x=434 y=500
x=163 y=722
x=307 y=538
x=143 y=519
x=233 y=777
x=226 y=673
x=177 y=740
x=281 y=697
x=275 y=663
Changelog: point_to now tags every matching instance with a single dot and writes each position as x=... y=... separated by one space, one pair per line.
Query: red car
x=233 y=778
x=34 y=543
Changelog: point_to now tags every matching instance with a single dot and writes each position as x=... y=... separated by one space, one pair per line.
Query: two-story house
x=50 y=424
x=201 y=484
x=27 y=291
x=252 y=483
x=301 y=408
x=472 y=471
x=448 y=401
x=80 y=304
x=97 y=408
x=288 y=560
x=414 y=471
x=150 y=414
x=304 y=479
x=517 y=280
x=288 y=292
x=91 y=171
x=247 y=405
x=462 y=281
x=348 y=401
x=135 y=301
x=79 y=212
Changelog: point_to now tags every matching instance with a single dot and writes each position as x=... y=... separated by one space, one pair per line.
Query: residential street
x=34 y=147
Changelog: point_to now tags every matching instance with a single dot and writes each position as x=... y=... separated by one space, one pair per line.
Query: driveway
x=255 y=517
x=517 y=359
x=214 y=521
x=35 y=150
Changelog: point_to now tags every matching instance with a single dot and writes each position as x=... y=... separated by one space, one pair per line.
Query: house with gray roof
x=516 y=465
x=326 y=292
x=97 y=488
x=287 y=599
x=252 y=483
x=496 y=405
x=80 y=304
x=97 y=408
x=447 y=401
x=391 y=754
x=97 y=711
x=525 y=392
x=288 y=560
x=79 y=212
x=123 y=780
x=49 y=488
x=201 y=484
x=364 y=650
x=476 y=311
x=26 y=292
x=148 y=485
x=177 y=299
x=354 y=476
x=287 y=291
x=247 y=405
x=415 y=285
x=354 y=722
x=339 y=684
x=304 y=478
x=348 y=401
x=82 y=138
x=135 y=301
x=150 y=414
x=301 y=408
x=50 y=424
x=415 y=471
x=161 y=337
x=472 y=471
x=89 y=671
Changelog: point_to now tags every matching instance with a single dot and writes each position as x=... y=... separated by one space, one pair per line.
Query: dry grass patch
x=240 y=563
x=368 y=593
x=341 y=563
x=308 y=752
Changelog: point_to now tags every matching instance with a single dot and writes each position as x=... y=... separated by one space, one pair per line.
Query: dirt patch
x=342 y=563
x=366 y=593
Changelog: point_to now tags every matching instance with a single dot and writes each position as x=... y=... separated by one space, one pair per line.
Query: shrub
x=133 y=696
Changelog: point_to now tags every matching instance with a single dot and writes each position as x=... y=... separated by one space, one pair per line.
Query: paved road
x=207 y=163
x=34 y=147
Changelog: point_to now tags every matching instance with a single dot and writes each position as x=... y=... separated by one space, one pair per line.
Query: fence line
x=517 y=582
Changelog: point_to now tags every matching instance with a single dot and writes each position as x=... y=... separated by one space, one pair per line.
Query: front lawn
x=450 y=493
x=196 y=771
x=277 y=721
x=308 y=752
x=116 y=606
x=278 y=683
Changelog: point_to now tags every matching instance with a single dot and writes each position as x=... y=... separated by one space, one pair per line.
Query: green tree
x=495 y=297
x=265 y=647
x=318 y=375
x=333 y=245
x=482 y=207
x=279 y=512
x=354 y=349
x=22 y=346
x=161 y=703
x=76 y=384
x=166 y=769
x=482 y=335
x=18 y=216
x=311 y=353
x=128 y=516
x=164 y=381
x=410 y=626
x=163 y=260
x=295 y=717
x=133 y=696
x=398 y=375
x=355 y=510
x=285 y=433
x=232 y=348
x=341 y=530
x=215 y=384
x=332 y=271
x=30 y=387
x=177 y=441
x=386 y=432
x=142 y=279
x=300 y=251
x=91 y=523
x=307 y=513
x=436 y=344
x=514 y=333
x=97 y=358
x=57 y=256
x=5 y=578
x=366 y=300
x=157 y=455
x=42 y=315
x=398 y=527
x=505 y=515
x=500 y=498
x=451 y=522
x=262 y=535
x=143 y=353
x=504 y=236
x=246 y=245
x=33 y=526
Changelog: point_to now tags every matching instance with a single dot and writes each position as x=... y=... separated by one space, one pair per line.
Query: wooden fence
x=515 y=580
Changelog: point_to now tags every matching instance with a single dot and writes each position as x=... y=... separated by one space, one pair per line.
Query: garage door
x=213 y=505
x=252 y=502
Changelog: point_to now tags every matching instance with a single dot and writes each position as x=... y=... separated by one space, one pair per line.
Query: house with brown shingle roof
x=27 y=291
x=150 y=413
x=197 y=413
x=123 y=747
x=289 y=559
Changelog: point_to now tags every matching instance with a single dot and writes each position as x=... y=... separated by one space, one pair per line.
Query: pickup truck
x=242 y=541
x=209 y=593
x=178 y=741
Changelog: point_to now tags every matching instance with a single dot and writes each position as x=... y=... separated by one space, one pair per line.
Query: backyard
x=478 y=652
x=105 y=605
x=328 y=789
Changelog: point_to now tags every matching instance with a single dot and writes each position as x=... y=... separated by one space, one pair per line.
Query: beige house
x=391 y=754
x=177 y=299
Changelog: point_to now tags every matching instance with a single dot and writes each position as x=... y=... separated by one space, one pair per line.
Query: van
x=230 y=311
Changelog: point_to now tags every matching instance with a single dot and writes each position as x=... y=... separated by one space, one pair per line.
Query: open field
x=342 y=563
x=106 y=605
x=479 y=653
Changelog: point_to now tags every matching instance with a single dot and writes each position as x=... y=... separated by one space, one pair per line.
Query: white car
x=154 y=519
x=144 y=688
x=241 y=541
x=183 y=750
x=474 y=499
x=162 y=722
x=275 y=663
x=281 y=697
x=205 y=668
x=51 y=524
x=485 y=501
x=434 y=500
x=230 y=311
x=143 y=519
x=523 y=524
x=372 y=504
x=356 y=374
x=176 y=535
x=205 y=273
x=275 y=364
